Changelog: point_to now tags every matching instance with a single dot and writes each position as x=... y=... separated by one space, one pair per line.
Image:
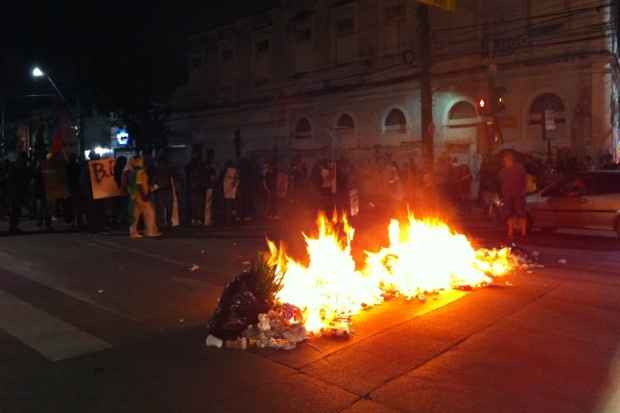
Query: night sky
x=110 y=52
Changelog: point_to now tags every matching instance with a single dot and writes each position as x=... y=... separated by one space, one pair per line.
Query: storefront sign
x=102 y=178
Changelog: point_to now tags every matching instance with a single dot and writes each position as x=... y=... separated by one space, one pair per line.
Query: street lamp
x=37 y=72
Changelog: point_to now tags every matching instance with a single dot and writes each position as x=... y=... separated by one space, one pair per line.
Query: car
x=588 y=200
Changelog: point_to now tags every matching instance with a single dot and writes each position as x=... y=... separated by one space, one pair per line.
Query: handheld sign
x=102 y=178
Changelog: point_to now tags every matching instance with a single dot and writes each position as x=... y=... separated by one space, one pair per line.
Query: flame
x=424 y=256
x=330 y=287
x=428 y=256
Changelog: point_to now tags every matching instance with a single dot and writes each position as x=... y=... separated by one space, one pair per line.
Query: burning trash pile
x=280 y=301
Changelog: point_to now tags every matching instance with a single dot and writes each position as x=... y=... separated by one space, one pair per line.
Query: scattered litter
x=194 y=268
x=239 y=344
x=213 y=341
x=99 y=291
x=281 y=328
x=523 y=258
x=562 y=261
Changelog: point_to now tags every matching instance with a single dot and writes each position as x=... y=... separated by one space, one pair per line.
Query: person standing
x=463 y=186
x=197 y=187
x=513 y=183
x=141 y=205
x=17 y=181
x=394 y=186
x=163 y=192
x=75 y=194
x=230 y=187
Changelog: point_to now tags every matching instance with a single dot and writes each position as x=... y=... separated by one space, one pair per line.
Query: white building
x=307 y=75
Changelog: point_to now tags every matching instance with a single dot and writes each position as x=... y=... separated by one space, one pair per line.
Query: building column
x=601 y=110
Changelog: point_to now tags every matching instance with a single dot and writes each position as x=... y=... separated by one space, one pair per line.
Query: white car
x=589 y=200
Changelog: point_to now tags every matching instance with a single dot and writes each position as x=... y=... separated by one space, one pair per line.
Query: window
x=303 y=129
x=396 y=121
x=345 y=122
x=395 y=32
x=303 y=35
x=345 y=131
x=345 y=38
x=605 y=183
x=543 y=103
x=227 y=55
x=262 y=47
x=394 y=13
x=262 y=60
x=345 y=27
x=196 y=61
x=462 y=110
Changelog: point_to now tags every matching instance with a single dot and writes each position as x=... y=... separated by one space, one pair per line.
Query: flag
x=60 y=134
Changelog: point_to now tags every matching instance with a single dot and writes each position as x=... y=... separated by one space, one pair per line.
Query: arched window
x=303 y=129
x=543 y=103
x=396 y=121
x=462 y=110
x=345 y=121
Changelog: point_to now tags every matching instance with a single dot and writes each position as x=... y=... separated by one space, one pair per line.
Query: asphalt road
x=100 y=323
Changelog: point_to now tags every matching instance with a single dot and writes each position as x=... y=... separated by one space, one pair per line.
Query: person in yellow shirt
x=140 y=205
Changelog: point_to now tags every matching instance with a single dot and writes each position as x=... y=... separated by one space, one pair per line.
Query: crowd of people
x=160 y=195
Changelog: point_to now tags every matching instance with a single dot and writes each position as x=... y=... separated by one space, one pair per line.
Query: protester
x=140 y=205
x=75 y=201
x=163 y=191
x=247 y=189
x=513 y=182
x=394 y=186
x=270 y=187
x=196 y=188
x=230 y=186
x=463 y=187
x=17 y=181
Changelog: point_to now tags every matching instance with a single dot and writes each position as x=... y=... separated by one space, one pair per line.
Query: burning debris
x=279 y=301
x=523 y=259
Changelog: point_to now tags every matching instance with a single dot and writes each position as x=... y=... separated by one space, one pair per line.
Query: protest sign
x=102 y=178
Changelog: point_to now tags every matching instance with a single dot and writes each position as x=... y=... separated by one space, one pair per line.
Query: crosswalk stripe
x=53 y=338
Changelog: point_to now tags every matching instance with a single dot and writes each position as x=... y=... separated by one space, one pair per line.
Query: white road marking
x=53 y=338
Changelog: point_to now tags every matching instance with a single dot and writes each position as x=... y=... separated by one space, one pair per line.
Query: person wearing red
x=513 y=183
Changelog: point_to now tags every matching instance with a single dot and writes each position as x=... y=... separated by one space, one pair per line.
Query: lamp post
x=37 y=72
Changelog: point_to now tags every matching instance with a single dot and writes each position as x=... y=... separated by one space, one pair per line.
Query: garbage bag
x=237 y=308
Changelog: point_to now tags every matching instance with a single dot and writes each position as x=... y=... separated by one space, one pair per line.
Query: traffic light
x=499 y=94
x=494 y=103
x=483 y=107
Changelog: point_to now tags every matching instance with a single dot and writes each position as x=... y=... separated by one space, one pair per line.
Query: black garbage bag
x=238 y=307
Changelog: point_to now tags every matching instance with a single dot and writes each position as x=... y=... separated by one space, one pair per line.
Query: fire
x=428 y=256
x=424 y=256
x=330 y=287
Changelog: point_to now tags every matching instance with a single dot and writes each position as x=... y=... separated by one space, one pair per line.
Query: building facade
x=329 y=78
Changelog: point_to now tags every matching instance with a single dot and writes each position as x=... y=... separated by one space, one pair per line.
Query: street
x=100 y=323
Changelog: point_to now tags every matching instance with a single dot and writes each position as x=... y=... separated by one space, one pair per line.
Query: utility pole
x=426 y=92
x=2 y=124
